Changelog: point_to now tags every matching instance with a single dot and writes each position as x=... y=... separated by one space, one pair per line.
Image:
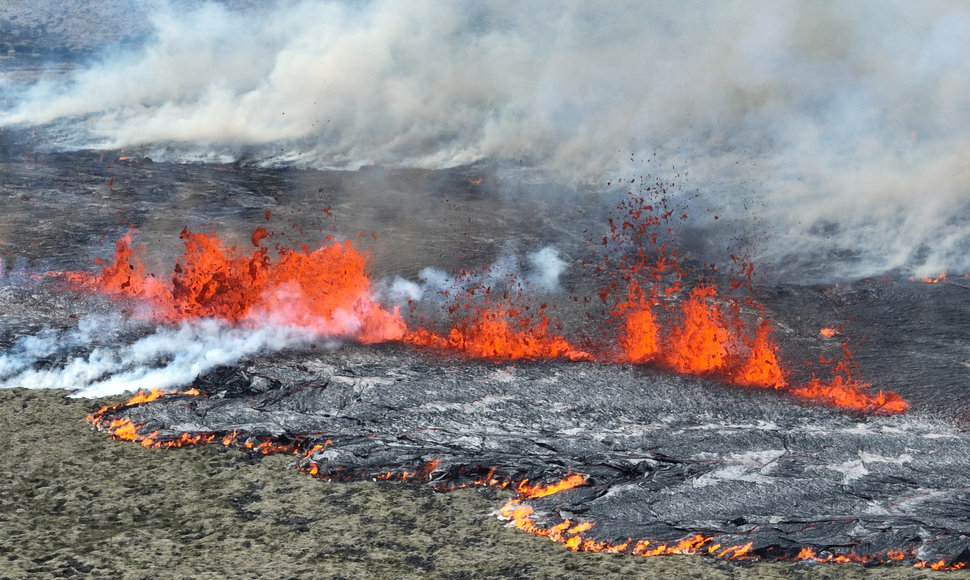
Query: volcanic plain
x=74 y=503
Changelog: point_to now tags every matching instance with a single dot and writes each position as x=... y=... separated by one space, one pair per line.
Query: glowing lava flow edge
x=569 y=533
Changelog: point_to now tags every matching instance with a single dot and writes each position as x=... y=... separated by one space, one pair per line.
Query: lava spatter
x=699 y=331
x=846 y=391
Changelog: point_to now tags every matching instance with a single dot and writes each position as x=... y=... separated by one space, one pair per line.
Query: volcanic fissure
x=500 y=352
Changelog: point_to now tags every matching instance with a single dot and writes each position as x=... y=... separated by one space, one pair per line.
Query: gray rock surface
x=665 y=457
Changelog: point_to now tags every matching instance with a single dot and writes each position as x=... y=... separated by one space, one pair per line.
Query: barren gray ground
x=74 y=503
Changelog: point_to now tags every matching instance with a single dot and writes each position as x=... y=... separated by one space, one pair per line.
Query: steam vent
x=677 y=279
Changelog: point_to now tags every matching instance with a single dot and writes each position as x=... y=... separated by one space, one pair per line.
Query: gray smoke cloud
x=842 y=124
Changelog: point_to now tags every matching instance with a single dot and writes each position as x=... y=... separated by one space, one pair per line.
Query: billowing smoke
x=166 y=358
x=842 y=126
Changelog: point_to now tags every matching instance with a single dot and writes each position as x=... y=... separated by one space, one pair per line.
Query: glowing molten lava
x=125 y=430
x=500 y=333
x=703 y=333
x=829 y=332
x=762 y=369
x=847 y=392
x=326 y=290
x=639 y=334
x=697 y=338
x=698 y=345
x=572 y=535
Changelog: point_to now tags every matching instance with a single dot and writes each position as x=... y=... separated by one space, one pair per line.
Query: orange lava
x=699 y=344
x=527 y=490
x=326 y=290
x=570 y=534
x=704 y=333
x=657 y=321
x=126 y=430
x=698 y=339
x=940 y=565
x=847 y=392
x=691 y=335
x=145 y=396
x=639 y=340
x=500 y=333
x=639 y=335
x=762 y=369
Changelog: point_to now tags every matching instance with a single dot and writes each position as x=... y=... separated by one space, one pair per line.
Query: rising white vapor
x=166 y=358
x=536 y=274
x=89 y=333
x=843 y=123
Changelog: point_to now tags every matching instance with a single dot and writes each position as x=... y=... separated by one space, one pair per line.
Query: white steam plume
x=845 y=123
x=90 y=332
x=546 y=268
x=167 y=358
x=541 y=275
